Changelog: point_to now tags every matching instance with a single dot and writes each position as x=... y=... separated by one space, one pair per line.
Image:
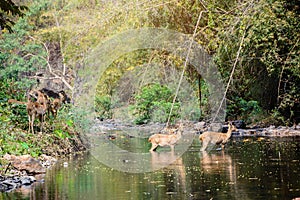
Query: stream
x=249 y=168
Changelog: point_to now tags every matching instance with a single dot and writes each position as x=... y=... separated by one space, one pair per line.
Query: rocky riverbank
x=272 y=131
x=23 y=170
x=199 y=127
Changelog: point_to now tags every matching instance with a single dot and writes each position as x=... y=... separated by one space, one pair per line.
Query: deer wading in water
x=165 y=139
x=216 y=138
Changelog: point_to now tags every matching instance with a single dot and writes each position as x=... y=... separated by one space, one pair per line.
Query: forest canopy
x=257 y=41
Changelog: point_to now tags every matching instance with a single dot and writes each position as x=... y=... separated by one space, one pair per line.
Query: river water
x=249 y=168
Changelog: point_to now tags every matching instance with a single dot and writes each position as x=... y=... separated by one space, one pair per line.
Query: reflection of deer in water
x=220 y=163
x=215 y=162
x=170 y=162
x=216 y=138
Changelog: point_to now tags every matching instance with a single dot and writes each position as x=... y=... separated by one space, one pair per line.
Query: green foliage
x=161 y=110
x=266 y=79
x=18 y=143
x=12 y=115
x=8 y=11
x=103 y=107
x=21 y=55
x=19 y=58
x=64 y=124
x=268 y=65
x=274 y=40
x=154 y=102
x=249 y=110
x=59 y=136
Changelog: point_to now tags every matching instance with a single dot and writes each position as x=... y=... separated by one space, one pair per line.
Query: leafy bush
x=13 y=114
x=154 y=102
x=249 y=111
x=20 y=57
x=268 y=66
x=22 y=54
x=59 y=137
x=103 y=107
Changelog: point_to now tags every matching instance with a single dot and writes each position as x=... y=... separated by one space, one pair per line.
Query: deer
x=34 y=109
x=56 y=95
x=56 y=104
x=58 y=98
x=36 y=106
x=216 y=138
x=162 y=140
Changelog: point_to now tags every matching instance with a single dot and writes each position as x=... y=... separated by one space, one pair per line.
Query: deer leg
x=41 y=121
x=172 y=147
x=223 y=146
x=54 y=114
x=32 y=122
x=29 y=123
x=154 y=146
x=204 y=145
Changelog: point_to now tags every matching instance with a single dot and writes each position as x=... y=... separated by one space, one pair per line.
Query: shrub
x=154 y=103
x=249 y=111
x=103 y=107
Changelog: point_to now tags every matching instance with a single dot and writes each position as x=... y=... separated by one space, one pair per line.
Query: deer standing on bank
x=56 y=104
x=34 y=109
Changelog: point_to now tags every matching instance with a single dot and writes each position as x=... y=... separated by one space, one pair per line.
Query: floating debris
x=65 y=164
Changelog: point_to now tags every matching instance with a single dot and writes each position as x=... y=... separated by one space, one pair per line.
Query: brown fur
x=56 y=95
x=165 y=139
x=38 y=103
x=56 y=104
x=16 y=101
x=34 y=109
x=216 y=138
x=42 y=99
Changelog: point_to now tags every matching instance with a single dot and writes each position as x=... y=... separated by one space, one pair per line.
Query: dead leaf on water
x=253 y=178
x=260 y=139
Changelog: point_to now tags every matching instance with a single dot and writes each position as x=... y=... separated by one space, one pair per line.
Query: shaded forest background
x=51 y=39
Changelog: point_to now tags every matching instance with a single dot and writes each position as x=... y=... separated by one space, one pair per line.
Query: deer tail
x=151 y=138
x=201 y=137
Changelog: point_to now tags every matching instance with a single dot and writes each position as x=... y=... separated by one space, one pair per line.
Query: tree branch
x=231 y=75
x=281 y=73
x=185 y=65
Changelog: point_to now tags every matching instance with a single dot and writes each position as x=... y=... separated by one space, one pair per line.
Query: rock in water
x=239 y=124
x=27 y=180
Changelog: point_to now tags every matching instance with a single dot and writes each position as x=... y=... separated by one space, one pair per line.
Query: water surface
x=250 y=168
